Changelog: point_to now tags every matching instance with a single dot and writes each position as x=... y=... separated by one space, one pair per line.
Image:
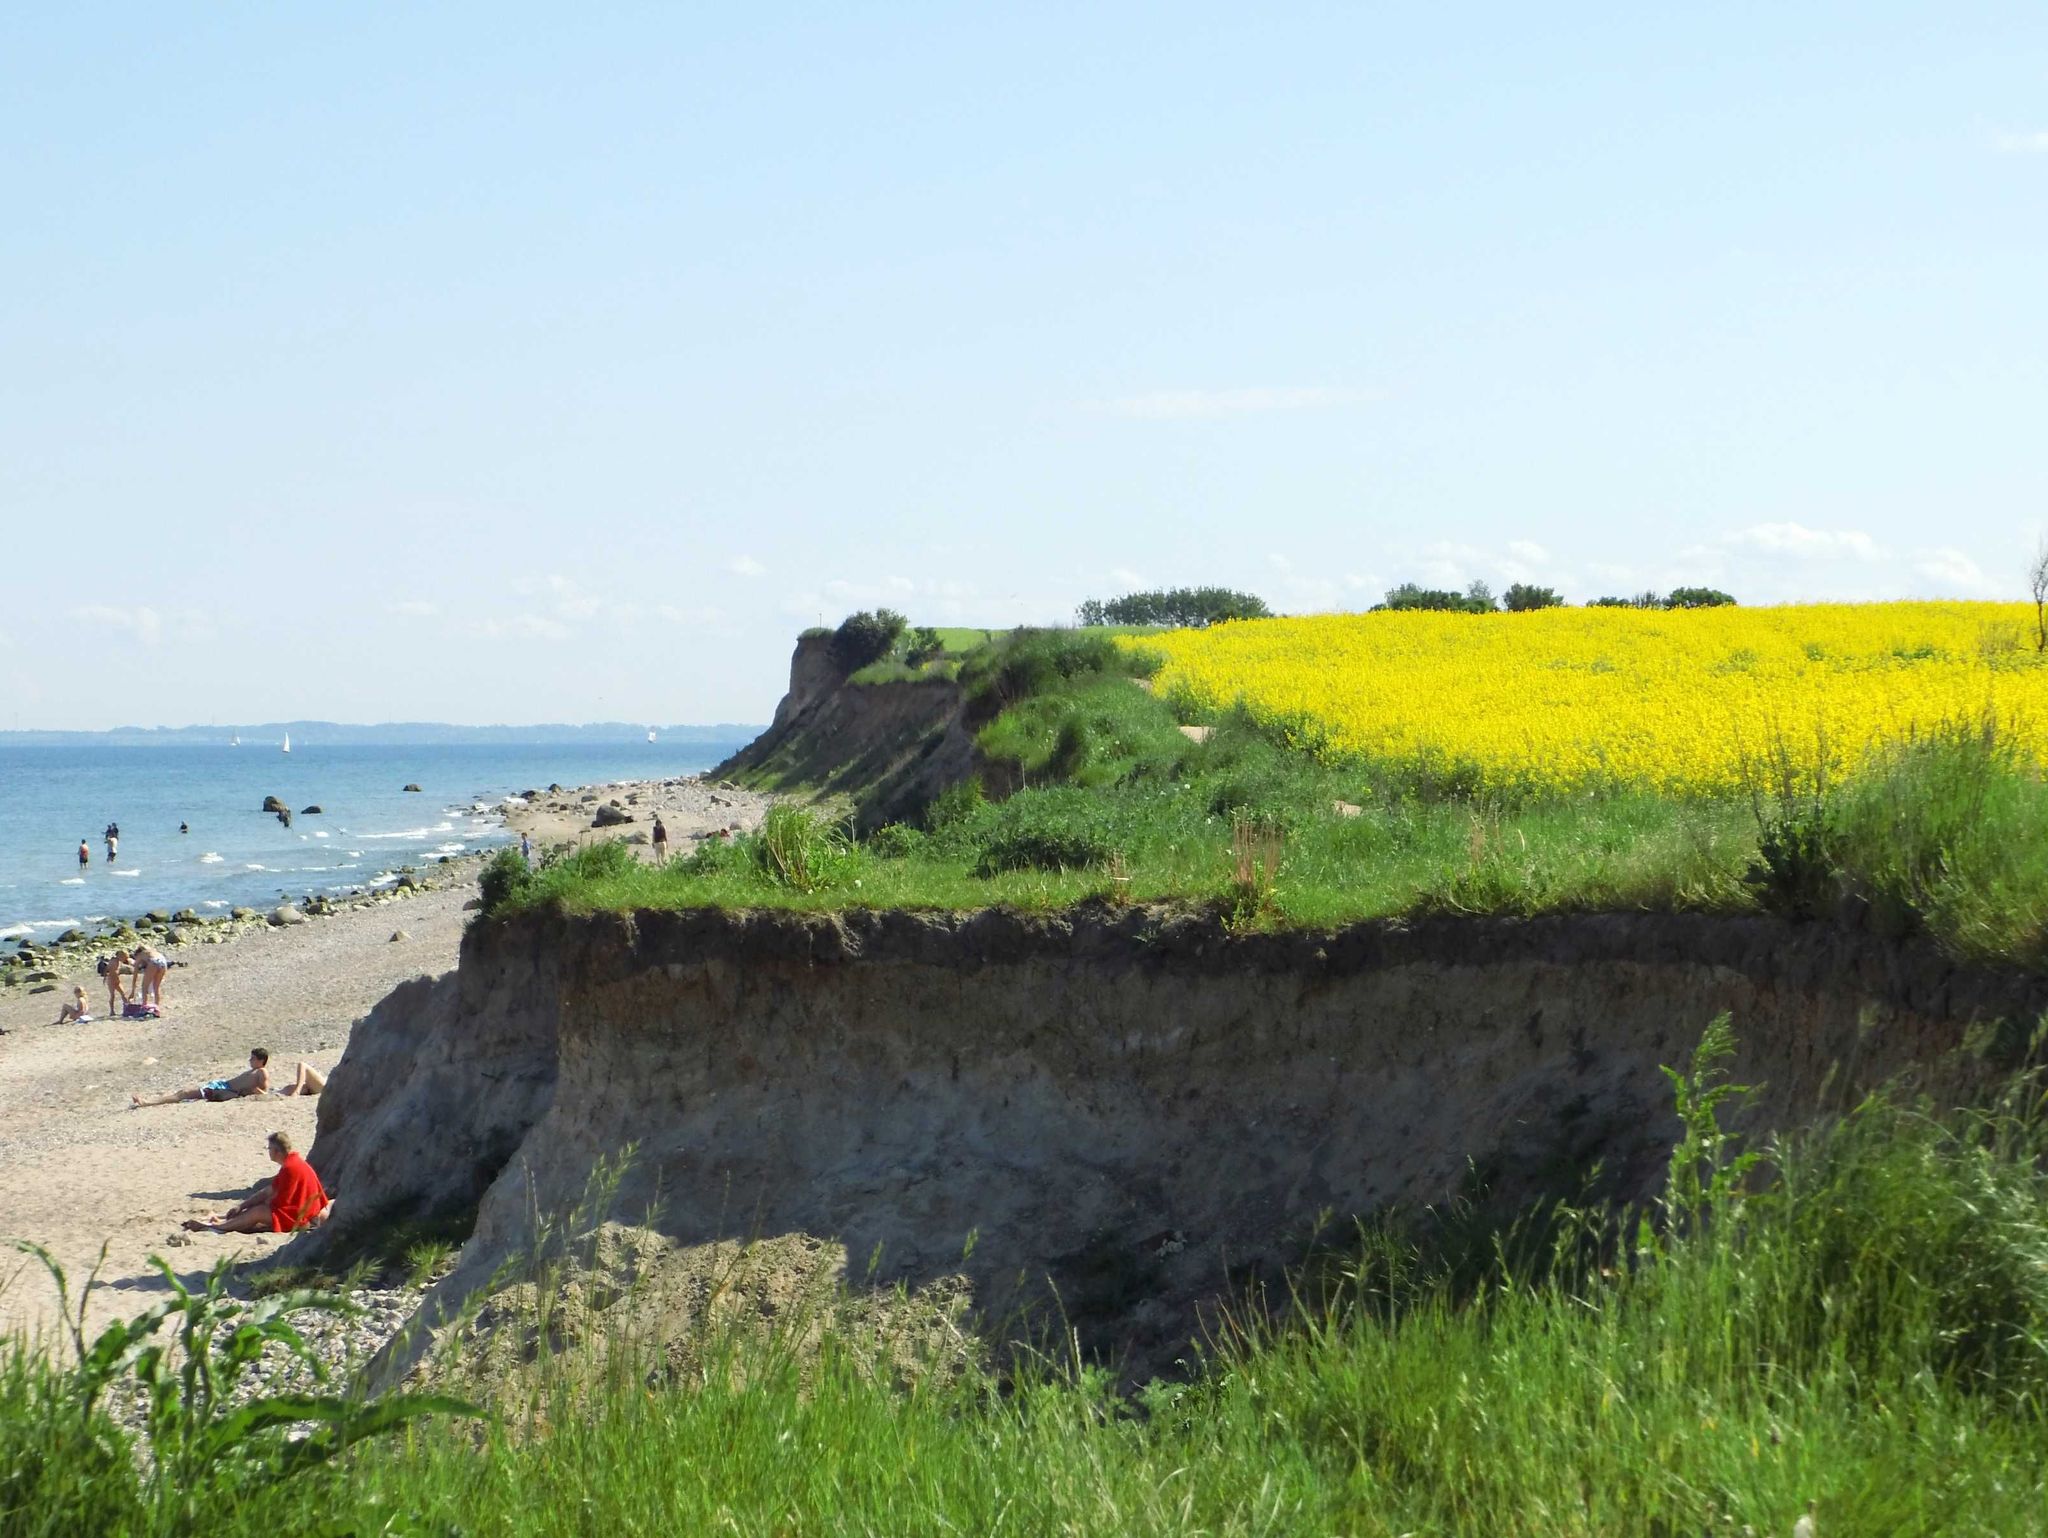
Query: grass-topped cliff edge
x=1120 y=790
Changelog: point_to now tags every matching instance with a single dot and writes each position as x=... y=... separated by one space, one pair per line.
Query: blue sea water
x=237 y=855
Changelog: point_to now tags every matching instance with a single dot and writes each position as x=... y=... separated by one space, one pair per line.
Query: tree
x=2037 y=584
x=1521 y=597
x=1179 y=608
x=1698 y=598
x=865 y=637
x=1476 y=599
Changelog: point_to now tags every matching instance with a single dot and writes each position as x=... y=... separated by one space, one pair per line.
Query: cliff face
x=888 y=748
x=1130 y=1110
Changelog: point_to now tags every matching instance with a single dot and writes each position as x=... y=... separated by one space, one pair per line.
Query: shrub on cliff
x=1061 y=828
x=865 y=637
x=505 y=878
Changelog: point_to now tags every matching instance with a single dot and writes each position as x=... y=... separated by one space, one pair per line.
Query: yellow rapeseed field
x=1571 y=699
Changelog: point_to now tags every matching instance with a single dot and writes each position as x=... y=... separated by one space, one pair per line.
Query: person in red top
x=293 y=1198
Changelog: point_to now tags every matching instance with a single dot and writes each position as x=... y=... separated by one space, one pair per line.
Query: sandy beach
x=79 y=1168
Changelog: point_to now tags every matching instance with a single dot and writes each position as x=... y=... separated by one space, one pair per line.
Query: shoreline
x=83 y=1170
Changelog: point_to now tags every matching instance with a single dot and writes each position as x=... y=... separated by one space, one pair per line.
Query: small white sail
x=287 y=742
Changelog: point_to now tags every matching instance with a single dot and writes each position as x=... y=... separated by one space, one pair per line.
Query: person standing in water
x=84 y=853
x=113 y=842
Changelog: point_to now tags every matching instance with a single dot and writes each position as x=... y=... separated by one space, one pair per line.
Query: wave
x=439 y=827
x=72 y=881
x=210 y=858
x=35 y=924
x=255 y=867
x=128 y=873
x=215 y=902
x=320 y=835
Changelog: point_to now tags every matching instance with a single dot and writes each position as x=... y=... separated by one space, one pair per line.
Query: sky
x=507 y=363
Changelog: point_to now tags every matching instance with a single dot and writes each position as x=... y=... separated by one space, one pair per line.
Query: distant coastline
x=385 y=734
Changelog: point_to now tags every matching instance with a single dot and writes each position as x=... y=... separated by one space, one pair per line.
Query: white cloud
x=413 y=608
x=1528 y=550
x=2021 y=144
x=1279 y=563
x=689 y=616
x=1953 y=569
x=746 y=566
x=1127 y=577
x=1183 y=405
x=1802 y=543
x=521 y=627
x=145 y=624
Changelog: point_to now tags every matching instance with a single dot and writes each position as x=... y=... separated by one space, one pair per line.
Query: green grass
x=1862 y=1324
x=1095 y=791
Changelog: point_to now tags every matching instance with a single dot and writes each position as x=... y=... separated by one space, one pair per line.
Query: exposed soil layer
x=1132 y=1110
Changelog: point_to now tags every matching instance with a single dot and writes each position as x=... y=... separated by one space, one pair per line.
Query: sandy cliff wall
x=887 y=748
x=1131 y=1107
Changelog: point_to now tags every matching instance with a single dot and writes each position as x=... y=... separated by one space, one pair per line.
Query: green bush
x=895 y=841
x=1055 y=829
x=1521 y=597
x=504 y=879
x=955 y=805
x=801 y=850
x=865 y=637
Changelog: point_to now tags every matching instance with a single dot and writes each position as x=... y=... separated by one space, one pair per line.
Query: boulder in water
x=413 y=788
x=272 y=804
x=310 y=811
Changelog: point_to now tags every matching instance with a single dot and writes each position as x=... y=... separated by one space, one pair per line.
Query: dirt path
x=78 y=1168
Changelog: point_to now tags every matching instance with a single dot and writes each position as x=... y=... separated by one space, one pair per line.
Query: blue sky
x=502 y=363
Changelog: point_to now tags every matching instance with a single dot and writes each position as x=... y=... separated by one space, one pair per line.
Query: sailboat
x=650 y=734
x=287 y=743
x=235 y=741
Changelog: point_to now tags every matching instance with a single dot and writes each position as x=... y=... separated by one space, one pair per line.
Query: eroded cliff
x=1131 y=1110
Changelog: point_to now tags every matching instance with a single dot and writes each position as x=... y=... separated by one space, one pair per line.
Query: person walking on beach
x=526 y=850
x=291 y=1199
x=253 y=1082
x=149 y=967
x=660 y=840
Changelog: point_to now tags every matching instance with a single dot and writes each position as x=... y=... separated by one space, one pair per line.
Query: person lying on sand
x=291 y=1199
x=75 y=1012
x=254 y=1082
x=308 y=1080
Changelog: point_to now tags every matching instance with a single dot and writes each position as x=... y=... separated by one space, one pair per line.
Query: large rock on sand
x=610 y=817
x=287 y=914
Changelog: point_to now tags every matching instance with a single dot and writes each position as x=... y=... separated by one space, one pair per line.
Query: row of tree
x=1524 y=596
x=1177 y=608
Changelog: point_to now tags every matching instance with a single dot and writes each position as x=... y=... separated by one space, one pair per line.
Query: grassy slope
x=1951 y=833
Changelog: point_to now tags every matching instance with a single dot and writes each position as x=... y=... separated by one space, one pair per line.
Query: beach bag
x=140 y=1012
x=104 y=963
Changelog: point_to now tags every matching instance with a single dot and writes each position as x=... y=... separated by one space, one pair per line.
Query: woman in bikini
x=150 y=967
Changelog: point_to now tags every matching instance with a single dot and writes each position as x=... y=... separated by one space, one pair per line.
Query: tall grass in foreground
x=1867 y=1329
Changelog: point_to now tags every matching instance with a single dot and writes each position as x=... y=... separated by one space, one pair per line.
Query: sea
x=234 y=854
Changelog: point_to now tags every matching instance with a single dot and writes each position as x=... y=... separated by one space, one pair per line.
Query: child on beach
x=111 y=969
x=75 y=1012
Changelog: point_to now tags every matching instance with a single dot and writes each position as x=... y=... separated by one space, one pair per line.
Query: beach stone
x=272 y=804
x=610 y=816
x=287 y=914
x=474 y=905
x=636 y=838
x=157 y=916
x=185 y=916
x=72 y=937
x=413 y=788
x=244 y=914
x=44 y=988
x=398 y=935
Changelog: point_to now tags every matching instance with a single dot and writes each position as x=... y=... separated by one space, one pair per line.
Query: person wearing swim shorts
x=253 y=1082
x=84 y=853
x=291 y=1199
